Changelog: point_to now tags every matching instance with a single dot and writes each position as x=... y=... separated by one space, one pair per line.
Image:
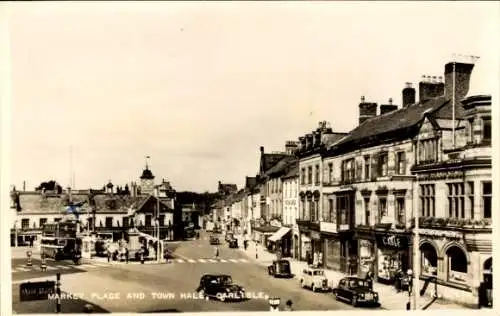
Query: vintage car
x=233 y=243
x=356 y=291
x=214 y=240
x=315 y=279
x=280 y=269
x=221 y=287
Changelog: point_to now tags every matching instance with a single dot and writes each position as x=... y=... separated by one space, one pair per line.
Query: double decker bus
x=59 y=240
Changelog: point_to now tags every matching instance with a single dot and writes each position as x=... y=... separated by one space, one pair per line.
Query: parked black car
x=233 y=243
x=356 y=291
x=280 y=269
x=214 y=240
x=221 y=287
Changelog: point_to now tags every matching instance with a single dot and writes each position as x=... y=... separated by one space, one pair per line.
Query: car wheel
x=313 y=287
x=354 y=301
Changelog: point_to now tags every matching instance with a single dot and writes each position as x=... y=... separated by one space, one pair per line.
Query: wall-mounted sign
x=440 y=233
x=392 y=241
x=35 y=291
x=440 y=175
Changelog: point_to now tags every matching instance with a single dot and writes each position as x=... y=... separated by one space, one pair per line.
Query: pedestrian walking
x=216 y=252
x=289 y=307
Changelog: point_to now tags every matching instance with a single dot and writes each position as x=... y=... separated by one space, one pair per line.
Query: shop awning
x=279 y=234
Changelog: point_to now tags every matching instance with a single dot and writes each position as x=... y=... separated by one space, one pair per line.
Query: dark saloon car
x=214 y=240
x=280 y=269
x=233 y=243
x=356 y=291
x=221 y=287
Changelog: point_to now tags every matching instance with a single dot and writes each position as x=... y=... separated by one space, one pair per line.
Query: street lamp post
x=416 y=250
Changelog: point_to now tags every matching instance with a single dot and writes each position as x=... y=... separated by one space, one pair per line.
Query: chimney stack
x=24 y=185
x=430 y=88
x=387 y=108
x=461 y=72
x=366 y=110
x=262 y=150
x=291 y=147
x=408 y=95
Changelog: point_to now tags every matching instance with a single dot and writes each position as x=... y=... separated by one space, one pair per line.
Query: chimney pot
x=262 y=149
x=390 y=101
x=362 y=98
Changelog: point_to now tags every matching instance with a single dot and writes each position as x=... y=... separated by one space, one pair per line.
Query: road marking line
x=233 y=260
x=62 y=267
x=23 y=269
x=191 y=261
x=51 y=268
x=212 y=260
x=22 y=266
x=222 y=260
x=243 y=260
x=101 y=264
x=180 y=260
x=201 y=260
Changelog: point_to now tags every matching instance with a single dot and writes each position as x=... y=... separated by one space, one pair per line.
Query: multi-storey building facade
x=454 y=188
x=432 y=159
x=312 y=146
x=291 y=205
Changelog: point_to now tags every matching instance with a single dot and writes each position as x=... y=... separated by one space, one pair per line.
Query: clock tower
x=147 y=181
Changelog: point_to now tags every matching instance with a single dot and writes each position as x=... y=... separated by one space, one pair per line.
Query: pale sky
x=200 y=86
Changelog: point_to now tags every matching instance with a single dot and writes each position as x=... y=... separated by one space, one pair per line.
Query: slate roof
x=36 y=203
x=293 y=170
x=228 y=187
x=393 y=121
x=269 y=160
x=280 y=166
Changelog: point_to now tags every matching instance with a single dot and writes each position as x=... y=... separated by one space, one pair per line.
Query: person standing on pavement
x=216 y=252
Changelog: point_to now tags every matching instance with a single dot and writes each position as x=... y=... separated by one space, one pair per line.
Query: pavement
x=390 y=299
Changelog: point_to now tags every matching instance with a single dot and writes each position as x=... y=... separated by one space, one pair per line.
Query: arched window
x=457 y=265
x=428 y=259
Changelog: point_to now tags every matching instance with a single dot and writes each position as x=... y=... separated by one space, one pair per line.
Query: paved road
x=171 y=287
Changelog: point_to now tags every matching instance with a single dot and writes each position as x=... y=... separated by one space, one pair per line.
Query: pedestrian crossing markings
x=210 y=260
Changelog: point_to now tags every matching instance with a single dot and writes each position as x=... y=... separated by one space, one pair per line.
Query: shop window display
x=390 y=263
x=457 y=265
x=428 y=259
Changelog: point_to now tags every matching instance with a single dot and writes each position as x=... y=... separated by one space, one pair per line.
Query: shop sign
x=441 y=175
x=440 y=233
x=392 y=241
x=35 y=291
x=328 y=227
